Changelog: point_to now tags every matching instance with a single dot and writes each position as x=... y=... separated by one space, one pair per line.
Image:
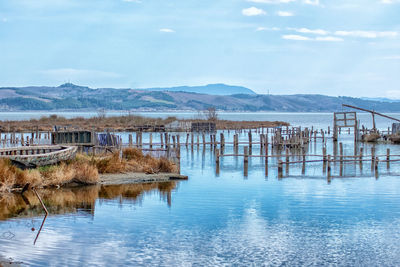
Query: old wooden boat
x=33 y=156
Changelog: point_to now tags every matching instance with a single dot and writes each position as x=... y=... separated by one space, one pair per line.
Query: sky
x=331 y=47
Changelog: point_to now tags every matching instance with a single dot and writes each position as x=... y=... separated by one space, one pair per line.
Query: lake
x=218 y=220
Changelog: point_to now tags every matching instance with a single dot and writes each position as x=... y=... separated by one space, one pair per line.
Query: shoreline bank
x=138 y=178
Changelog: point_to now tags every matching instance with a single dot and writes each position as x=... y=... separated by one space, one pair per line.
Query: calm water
x=219 y=220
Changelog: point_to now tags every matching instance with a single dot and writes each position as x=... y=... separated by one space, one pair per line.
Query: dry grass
x=79 y=172
x=84 y=170
x=98 y=123
x=133 y=160
x=121 y=123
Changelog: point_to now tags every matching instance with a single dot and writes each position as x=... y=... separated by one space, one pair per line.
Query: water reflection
x=79 y=199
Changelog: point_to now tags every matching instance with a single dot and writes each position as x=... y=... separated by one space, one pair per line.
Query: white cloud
x=296 y=37
x=329 y=39
x=267 y=29
x=305 y=30
x=271 y=1
x=167 y=30
x=285 y=14
x=4 y=19
x=253 y=11
x=367 y=34
x=311 y=2
x=389 y=1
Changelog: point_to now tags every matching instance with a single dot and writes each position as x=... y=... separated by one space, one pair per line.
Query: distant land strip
x=222 y=97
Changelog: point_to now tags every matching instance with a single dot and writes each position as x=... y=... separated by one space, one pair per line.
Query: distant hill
x=73 y=97
x=210 y=89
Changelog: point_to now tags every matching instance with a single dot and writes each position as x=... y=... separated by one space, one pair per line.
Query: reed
x=83 y=169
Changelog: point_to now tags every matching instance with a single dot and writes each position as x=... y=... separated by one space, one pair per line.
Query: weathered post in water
x=217 y=161
x=280 y=169
x=388 y=158
x=341 y=158
x=246 y=161
x=372 y=158
x=287 y=161
x=329 y=167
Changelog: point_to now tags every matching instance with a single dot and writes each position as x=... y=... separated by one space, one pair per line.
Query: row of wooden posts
x=326 y=159
x=289 y=138
x=23 y=139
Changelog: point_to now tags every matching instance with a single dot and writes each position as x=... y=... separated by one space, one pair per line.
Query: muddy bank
x=136 y=178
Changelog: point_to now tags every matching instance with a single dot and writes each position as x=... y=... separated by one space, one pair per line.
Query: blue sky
x=335 y=47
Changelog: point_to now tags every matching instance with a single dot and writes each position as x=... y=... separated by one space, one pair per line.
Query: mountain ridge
x=74 y=97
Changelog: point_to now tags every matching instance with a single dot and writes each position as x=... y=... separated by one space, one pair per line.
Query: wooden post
x=246 y=161
x=303 y=166
x=151 y=141
x=324 y=159
x=161 y=140
x=329 y=167
x=217 y=162
x=221 y=141
x=250 y=140
x=287 y=161
x=191 y=141
x=280 y=169
x=130 y=140
x=166 y=137
x=266 y=165
x=376 y=163
x=187 y=139
x=204 y=140
x=174 y=141
x=341 y=158
x=361 y=157
x=372 y=158
x=388 y=158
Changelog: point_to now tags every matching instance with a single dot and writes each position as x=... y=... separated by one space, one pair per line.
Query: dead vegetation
x=97 y=123
x=133 y=160
x=125 y=123
x=84 y=169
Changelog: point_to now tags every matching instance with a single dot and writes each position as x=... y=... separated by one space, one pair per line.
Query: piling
x=246 y=161
x=217 y=161
x=151 y=141
x=388 y=158
x=329 y=167
x=280 y=169
x=376 y=163
x=372 y=158
x=341 y=158
x=287 y=161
